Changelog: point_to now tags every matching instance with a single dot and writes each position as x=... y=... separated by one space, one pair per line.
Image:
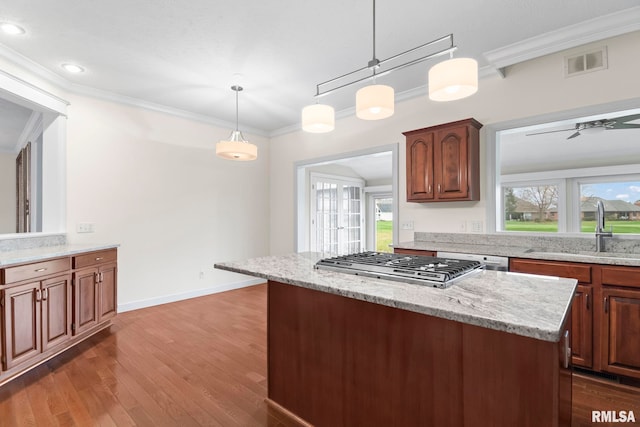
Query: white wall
x=152 y=183
x=530 y=89
x=7 y=193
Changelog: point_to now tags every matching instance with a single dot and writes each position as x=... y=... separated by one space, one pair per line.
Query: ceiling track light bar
x=375 y=64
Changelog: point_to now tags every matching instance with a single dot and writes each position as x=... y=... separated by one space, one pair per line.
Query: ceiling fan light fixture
x=236 y=147
x=375 y=102
x=453 y=79
x=318 y=118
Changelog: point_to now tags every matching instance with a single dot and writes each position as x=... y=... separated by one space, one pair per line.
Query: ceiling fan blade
x=624 y=119
x=625 y=126
x=551 y=131
x=574 y=135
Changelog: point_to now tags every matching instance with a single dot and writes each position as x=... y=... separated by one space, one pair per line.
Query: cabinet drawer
x=35 y=270
x=581 y=272
x=622 y=276
x=94 y=258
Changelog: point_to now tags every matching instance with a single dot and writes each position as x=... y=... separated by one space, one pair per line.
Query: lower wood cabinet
x=94 y=295
x=48 y=306
x=621 y=331
x=605 y=313
x=37 y=318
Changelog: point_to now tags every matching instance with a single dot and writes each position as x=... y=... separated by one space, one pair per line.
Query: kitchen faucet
x=600 y=233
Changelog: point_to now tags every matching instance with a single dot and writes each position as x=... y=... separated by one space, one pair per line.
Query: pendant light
x=453 y=79
x=318 y=118
x=375 y=102
x=236 y=147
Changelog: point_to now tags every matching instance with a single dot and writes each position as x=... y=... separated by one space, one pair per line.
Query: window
x=549 y=177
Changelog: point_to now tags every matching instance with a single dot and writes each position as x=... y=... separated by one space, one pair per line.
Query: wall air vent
x=585 y=62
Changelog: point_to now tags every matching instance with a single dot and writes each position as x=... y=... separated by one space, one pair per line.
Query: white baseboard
x=165 y=299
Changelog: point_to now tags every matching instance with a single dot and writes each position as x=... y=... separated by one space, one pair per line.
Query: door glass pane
x=621 y=202
x=384 y=224
x=351 y=240
x=533 y=209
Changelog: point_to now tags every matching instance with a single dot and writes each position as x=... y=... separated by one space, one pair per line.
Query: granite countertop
x=19 y=256
x=557 y=254
x=527 y=305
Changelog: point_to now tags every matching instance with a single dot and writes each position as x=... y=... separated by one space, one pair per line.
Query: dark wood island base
x=337 y=361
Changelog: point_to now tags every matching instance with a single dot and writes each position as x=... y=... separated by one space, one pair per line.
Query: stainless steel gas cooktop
x=423 y=270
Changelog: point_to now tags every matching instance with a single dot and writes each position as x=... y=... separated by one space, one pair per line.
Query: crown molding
x=151 y=106
x=592 y=30
x=59 y=81
x=26 y=94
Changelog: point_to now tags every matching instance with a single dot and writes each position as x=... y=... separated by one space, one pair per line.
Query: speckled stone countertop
x=575 y=249
x=20 y=256
x=527 y=305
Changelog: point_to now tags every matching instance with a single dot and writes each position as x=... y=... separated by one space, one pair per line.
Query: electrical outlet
x=476 y=226
x=85 y=227
x=407 y=225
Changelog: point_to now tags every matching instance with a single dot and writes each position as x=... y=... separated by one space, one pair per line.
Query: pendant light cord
x=374 y=31
x=236 y=109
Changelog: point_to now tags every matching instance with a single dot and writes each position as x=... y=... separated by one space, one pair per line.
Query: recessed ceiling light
x=12 y=29
x=73 y=68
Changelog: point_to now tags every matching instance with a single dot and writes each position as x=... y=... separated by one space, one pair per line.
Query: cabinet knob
x=40 y=270
x=99 y=258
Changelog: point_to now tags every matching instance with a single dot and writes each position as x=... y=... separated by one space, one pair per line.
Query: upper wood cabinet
x=443 y=162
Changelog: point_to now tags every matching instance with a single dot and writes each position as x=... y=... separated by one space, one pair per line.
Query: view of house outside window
x=621 y=204
x=531 y=208
x=535 y=208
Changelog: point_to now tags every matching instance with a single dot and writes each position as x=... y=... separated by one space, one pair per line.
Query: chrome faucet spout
x=600 y=233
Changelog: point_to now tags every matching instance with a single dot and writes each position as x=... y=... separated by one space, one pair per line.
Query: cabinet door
x=22 y=323
x=108 y=298
x=56 y=311
x=451 y=163
x=85 y=300
x=581 y=308
x=621 y=331
x=420 y=184
x=582 y=327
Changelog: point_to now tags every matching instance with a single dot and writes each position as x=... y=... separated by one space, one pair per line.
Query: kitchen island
x=347 y=350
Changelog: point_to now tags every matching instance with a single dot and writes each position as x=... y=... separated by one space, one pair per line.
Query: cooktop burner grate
x=424 y=270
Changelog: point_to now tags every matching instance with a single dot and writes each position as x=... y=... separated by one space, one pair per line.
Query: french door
x=336 y=215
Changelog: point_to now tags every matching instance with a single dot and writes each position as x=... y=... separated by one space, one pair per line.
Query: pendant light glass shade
x=318 y=118
x=237 y=148
x=453 y=79
x=375 y=102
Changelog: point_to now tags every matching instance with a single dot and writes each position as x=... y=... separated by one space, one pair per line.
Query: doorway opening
x=341 y=201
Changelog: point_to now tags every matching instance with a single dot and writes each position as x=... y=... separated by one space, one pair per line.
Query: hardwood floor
x=200 y=362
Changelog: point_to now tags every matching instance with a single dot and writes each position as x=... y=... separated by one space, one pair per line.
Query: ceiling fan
x=604 y=124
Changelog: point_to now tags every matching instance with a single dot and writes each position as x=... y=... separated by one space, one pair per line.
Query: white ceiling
x=183 y=54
